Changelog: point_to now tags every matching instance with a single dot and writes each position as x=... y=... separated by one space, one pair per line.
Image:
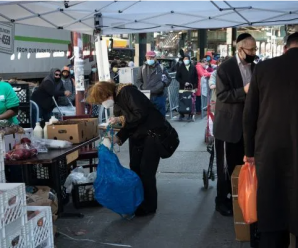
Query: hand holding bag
x=247 y=192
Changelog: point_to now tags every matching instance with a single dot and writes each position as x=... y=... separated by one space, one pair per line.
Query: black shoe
x=224 y=209
x=140 y=212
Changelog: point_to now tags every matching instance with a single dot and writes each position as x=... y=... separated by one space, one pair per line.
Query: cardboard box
x=91 y=127
x=242 y=230
x=74 y=133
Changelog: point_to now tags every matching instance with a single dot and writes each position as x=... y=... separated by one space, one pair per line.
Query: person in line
x=50 y=86
x=69 y=85
x=187 y=76
x=154 y=77
x=270 y=126
x=137 y=116
x=232 y=84
x=9 y=103
x=202 y=72
x=114 y=72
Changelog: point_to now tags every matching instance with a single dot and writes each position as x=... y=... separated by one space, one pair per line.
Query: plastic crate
x=15 y=235
x=2 y=177
x=23 y=93
x=83 y=196
x=24 y=116
x=12 y=202
x=41 y=174
x=40 y=228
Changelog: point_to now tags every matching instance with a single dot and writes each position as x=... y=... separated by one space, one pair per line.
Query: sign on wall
x=6 y=37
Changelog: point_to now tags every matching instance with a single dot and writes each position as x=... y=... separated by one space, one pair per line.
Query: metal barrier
x=173 y=95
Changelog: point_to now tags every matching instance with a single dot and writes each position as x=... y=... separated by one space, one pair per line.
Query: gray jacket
x=68 y=85
x=154 y=78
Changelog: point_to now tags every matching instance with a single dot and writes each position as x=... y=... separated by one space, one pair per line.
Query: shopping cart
x=60 y=111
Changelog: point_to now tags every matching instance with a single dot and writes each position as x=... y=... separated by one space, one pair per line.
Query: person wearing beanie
x=270 y=127
x=232 y=84
x=69 y=85
x=154 y=77
x=114 y=72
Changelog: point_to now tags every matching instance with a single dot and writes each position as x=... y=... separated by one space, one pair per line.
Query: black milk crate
x=24 y=116
x=83 y=194
x=23 y=93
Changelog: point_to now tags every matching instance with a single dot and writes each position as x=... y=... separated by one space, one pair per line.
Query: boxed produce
x=91 y=125
x=74 y=131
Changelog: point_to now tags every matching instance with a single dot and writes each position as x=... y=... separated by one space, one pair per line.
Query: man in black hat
x=270 y=128
x=232 y=84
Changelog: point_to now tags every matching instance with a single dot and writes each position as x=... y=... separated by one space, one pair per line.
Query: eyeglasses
x=254 y=49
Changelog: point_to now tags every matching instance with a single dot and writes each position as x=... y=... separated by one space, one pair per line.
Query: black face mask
x=57 y=79
x=249 y=58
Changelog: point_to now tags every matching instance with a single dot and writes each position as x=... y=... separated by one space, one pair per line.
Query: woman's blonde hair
x=100 y=92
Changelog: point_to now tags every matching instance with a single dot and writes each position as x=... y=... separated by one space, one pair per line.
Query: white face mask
x=108 y=103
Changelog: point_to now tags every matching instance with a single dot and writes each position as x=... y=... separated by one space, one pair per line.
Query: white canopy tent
x=143 y=16
x=148 y=16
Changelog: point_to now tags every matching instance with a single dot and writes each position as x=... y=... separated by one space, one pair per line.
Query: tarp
x=148 y=16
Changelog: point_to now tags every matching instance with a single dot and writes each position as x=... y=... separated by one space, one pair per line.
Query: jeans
x=160 y=103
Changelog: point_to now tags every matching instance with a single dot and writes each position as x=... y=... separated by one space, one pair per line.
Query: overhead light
x=12 y=57
x=19 y=55
x=28 y=55
x=180 y=33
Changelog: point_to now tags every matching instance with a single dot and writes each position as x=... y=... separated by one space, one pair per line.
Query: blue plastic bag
x=117 y=188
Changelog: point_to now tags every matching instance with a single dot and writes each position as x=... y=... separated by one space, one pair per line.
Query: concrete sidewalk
x=185 y=218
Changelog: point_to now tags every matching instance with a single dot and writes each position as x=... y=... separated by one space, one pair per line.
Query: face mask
x=57 y=79
x=108 y=103
x=249 y=58
x=186 y=62
x=150 y=61
x=115 y=69
x=71 y=71
x=94 y=69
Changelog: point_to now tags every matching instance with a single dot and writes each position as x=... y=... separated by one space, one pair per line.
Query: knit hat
x=243 y=36
x=150 y=54
x=114 y=64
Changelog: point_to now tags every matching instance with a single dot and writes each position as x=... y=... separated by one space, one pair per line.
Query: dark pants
x=144 y=160
x=43 y=114
x=198 y=104
x=160 y=103
x=234 y=153
x=275 y=240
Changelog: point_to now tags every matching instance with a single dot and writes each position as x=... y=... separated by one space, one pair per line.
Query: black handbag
x=166 y=141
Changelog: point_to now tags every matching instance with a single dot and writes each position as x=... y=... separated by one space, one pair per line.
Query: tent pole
x=79 y=73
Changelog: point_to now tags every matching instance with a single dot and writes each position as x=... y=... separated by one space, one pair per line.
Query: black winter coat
x=230 y=102
x=140 y=114
x=184 y=76
x=47 y=89
x=271 y=136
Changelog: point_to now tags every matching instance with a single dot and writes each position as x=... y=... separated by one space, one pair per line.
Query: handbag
x=166 y=141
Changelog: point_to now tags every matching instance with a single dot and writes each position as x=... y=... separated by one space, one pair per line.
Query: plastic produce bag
x=117 y=188
x=247 y=192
